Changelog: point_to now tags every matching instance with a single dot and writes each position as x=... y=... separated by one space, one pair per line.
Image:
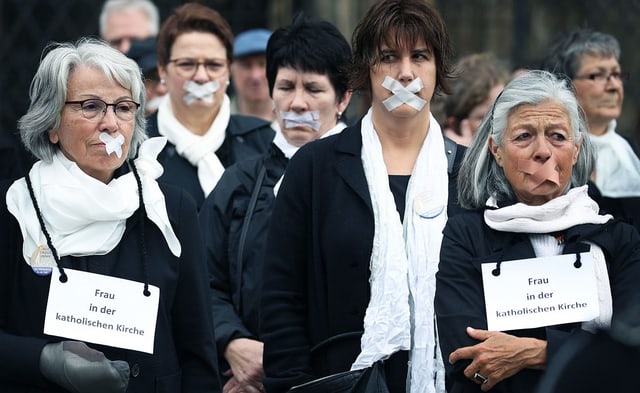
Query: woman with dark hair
x=103 y=274
x=533 y=263
x=355 y=236
x=309 y=89
x=195 y=47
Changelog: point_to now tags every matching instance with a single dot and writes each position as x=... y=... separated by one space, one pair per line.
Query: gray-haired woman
x=103 y=275
x=533 y=262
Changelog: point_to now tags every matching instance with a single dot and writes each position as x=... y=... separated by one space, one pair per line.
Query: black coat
x=316 y=274
x=459 y=300
x=236 y=285
x=184 y=356
x=247 y=137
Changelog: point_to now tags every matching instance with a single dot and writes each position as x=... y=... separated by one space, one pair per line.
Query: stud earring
x=339 y=115
x=162 y=82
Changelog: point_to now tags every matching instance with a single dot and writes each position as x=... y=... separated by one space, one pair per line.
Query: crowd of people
x=473 y=230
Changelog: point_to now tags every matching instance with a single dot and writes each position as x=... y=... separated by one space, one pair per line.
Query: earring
x=162 y=82
x=339 y=115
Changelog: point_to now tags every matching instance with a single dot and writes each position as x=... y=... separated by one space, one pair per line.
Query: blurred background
x=517 y=31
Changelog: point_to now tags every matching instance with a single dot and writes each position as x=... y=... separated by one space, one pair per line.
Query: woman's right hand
x=244 y=355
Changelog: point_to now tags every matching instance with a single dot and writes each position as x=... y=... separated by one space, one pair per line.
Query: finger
x=479 y=334
x=462 y=353
x=228 y=373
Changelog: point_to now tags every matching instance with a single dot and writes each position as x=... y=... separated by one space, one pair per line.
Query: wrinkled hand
x=81 y=369
x=499 y=356
x=244 y=355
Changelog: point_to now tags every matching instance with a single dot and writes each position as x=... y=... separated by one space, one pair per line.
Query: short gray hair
x=564 y=57
x=48 y=91
x=480 y=175
x=145 y=6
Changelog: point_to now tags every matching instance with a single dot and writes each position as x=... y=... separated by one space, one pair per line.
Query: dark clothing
x=468 y=242
x=236 y=285
x=316 y=275
x=247 y=137
x=184 y=353
x=11 y=160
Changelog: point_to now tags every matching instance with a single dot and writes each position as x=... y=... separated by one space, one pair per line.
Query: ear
x=162 y=72
x=495 y=150
x=344 y=101
x=53 y=136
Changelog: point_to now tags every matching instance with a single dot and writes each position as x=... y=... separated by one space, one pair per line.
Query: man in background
x=248 y=75
x=123 y=21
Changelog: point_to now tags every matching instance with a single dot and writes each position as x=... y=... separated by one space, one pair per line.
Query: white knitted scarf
x=560 y=213
x=200 y=151
x=404 y=260
x=83 y=215
x=617 y=166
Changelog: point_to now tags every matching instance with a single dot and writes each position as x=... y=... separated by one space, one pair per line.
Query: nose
x=200 y=74
x=109 y=121
x=298 y=103
x=405 y=70
x=542 y=151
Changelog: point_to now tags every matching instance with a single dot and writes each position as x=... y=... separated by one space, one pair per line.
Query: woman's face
x=79 y=138
x=538 y=152
x=600 y=98
x=199 y=57
x=303 y=92
x=476 y=115
x=403 y=65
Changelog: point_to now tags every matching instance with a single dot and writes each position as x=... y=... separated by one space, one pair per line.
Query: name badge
x=535 y=292
x=102 y=310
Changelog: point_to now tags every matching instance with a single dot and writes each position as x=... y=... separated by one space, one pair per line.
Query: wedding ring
x=480 y=378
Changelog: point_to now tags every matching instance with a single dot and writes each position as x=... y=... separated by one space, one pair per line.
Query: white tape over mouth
x=294 y=119
x=403 y=95
x=197 y=91
x=113 y=145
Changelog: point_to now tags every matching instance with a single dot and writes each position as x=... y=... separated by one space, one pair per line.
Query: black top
x=398 y=185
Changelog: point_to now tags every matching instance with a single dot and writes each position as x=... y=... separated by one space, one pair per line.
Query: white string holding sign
x=112 y=144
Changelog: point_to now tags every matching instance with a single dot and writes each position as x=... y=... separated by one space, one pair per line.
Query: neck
x=197 y=120
x=598 y=127
x=401 y=140
x=262 y=109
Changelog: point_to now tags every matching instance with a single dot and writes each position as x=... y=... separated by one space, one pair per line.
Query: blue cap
x=251 y=42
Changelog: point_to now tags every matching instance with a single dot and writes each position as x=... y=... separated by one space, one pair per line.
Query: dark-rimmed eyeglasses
x=187 y=67
x=95 y=108
x=603 y=77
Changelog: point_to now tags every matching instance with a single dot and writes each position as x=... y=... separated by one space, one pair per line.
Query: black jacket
x=316 y=274
x=184 y=356
x=247 y=137
x=236 y=285
x=459 y=300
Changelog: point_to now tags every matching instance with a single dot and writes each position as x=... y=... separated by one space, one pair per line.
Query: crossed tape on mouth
x=196 y=91
x=293 y=119
x=539 y=173
x=112 y=144
x=403 y=95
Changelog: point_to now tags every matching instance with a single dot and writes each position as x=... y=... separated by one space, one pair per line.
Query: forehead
x=197 y=44
x=547 y=112
x=86 y=81
x=293 y=74
x=594 y=62
x=133 y=23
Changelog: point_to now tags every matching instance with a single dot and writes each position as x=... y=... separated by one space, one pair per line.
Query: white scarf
x=200 y=151
x=404 y=260
x=83 y=215
x=617 y=166
x=566 y=211
x=289 y=150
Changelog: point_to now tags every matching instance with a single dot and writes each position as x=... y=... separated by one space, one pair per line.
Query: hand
x=80 y=369
x=499 y=356
x=244 y=355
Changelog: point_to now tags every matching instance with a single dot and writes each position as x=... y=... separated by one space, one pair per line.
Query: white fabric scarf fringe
x=200 y=151
x=566 y=211
x=83 y=215
x=404 y=260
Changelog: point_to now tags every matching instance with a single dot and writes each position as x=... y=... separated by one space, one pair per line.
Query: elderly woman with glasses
x=590 y=59
x=195 y=47
x=102 y=268
x=533 y=263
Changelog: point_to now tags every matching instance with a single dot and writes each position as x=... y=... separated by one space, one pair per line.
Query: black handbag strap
x=337 y=337
x=245 y=229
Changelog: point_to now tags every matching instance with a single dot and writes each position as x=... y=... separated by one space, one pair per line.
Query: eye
x=92 y=106
x=523 y=136
x=421 y=56
x=596 y=76
x=125 y=107
x=387 y=58
x=186 y=64
x=214 y=66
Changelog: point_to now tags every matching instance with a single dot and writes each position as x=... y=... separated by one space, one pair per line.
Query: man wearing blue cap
x=248 y=75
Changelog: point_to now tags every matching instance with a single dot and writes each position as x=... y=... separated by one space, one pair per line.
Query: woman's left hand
x=499 y=356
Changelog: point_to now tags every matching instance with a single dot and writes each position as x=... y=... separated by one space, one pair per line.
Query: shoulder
x=152 y=125
x=180 y=204
x=244 y=125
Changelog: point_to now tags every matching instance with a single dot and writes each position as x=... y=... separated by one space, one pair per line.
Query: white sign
x=537 y=292
x=102 y=310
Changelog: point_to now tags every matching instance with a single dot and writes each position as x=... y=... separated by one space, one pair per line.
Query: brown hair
x=192 y=17
x=399 y=23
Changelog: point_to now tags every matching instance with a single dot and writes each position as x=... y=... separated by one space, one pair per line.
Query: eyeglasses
x=603 y=77
x=187 y=67
x=125 y=110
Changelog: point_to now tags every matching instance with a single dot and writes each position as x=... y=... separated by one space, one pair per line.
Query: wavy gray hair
x=48 y=91
x=480 y=175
